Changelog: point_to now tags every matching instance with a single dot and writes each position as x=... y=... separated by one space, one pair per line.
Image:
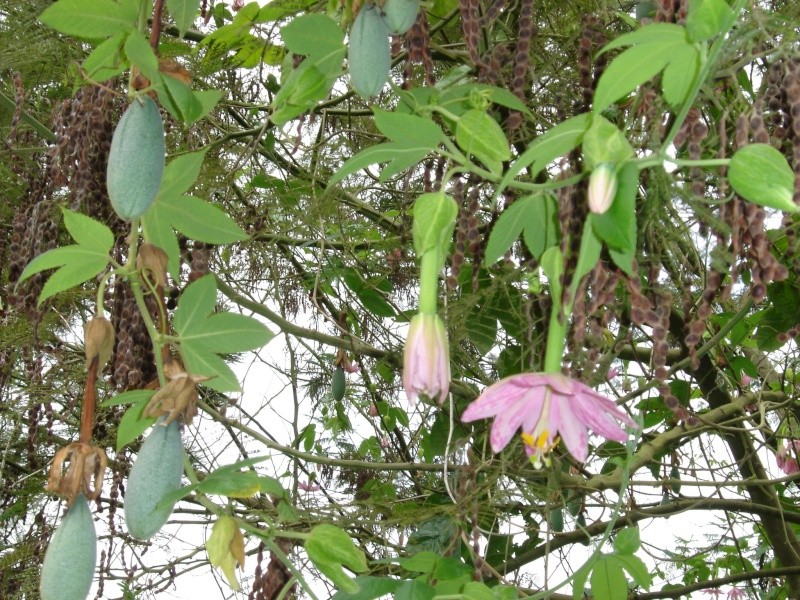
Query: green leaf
x=399 y=155
x=77 y=263
x=680 y=75
x=503 y=97
x=617 y=226
x=759 y=173
x=88 y=232
x=270 y=485
x=200 y=361
x=508 y=227
x=552 y=144
x=199 y=220
x=330 y=548
x=177 y=98
x=411 y=129
x=480 y=135
x=314 y=35
x=184 y=12
x=370 y=588
x=202 y=335
x=434 y=218
x=133 y=424
x=636 y=568
x=196 y=302
x=608 y=580
x=414 y=590
x=181 y=173
x=90 y=19
x=277 y=9
x=579 y=580
x=664 y=34
x=628 y=71
x=226 y=333
x=475 y=590
x=707 y=19
x=588 y=256
x=158 y=231
x=129 y=397
x=603 y=142
x=192 y=216
x=421 y=562
x=208 y=100
x=140 y=53
x=233 y=484
x=106 y=60
x=627 y=540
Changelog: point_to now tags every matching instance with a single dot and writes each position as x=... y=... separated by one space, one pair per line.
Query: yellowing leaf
x=225 y=548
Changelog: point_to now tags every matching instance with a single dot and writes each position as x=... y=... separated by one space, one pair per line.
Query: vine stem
x=89 y=402
x=136 y=285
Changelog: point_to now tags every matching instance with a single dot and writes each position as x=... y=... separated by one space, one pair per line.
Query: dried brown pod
x=98 y=336
x=152 y=262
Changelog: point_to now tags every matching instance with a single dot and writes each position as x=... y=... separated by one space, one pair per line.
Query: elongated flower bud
x=602 y=188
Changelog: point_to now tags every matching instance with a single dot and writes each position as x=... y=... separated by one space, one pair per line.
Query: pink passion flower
x=548 y=407
x=785 y=457
x=426 y=358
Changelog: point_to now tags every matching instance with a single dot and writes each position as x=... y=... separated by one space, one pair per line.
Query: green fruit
x=71 y=557
x=556 y=520
x=575 y=504
x=675 y=474
x=338 y=384
x=400 y=15
x=369 y=55
x=155 y=473
x=136 y=159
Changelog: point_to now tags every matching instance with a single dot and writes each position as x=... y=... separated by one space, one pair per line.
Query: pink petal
x=494 y=399
x=569 y=427
x=514 y=415
x=598 y=413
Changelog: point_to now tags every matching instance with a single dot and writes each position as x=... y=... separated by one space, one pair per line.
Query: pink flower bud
x=602 y=188
x=426 y=358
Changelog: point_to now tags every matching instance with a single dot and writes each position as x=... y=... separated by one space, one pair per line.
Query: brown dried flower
x=178 y=399
x=77 y=469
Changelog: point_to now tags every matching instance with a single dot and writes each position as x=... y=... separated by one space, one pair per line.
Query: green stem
x=702 y=76
x=429 y=268
x=136 y=286
x=708 y=162
x=556 y=338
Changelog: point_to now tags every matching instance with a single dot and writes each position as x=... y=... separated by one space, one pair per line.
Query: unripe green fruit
x=400 y=15
x=575 y=504
x=557 y=520
x=71 y=557
x=369 y=55
x=675 y=474
x=155 y=473
x=338 y=384
x=136 y=159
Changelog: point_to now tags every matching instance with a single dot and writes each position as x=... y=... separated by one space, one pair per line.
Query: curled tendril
x=77 y=469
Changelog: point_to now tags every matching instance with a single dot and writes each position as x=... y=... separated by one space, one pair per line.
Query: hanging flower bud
x=98 y=339
x=426 y=359
x=602 y=188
